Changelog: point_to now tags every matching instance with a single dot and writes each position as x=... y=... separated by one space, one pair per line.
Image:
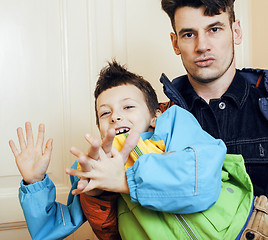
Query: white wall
x=50 y=54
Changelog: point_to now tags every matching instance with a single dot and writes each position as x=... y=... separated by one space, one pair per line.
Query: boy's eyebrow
x=185 y=30
x=103 y=105
x=124 y=99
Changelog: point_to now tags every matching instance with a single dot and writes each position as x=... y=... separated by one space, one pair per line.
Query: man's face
x=123 y=108
x=205 y=43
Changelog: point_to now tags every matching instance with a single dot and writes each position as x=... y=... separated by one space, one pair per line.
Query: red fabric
x=101 y=214
x=165 y=105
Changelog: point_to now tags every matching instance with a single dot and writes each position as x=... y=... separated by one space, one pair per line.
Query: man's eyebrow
x=186 y=30
x=218 y=23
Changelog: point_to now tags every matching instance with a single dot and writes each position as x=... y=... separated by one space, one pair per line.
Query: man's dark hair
x=114 y=75
x=213 y=7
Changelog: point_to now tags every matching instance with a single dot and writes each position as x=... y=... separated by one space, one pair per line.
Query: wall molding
x=65 y=83
x=243 y=50
x=13 y=225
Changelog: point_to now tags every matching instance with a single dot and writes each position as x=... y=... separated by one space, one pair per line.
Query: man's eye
x=188 y=35
x=215 y=29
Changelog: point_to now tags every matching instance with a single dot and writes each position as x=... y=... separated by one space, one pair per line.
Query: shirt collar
x=238 y=91
x=190 y=95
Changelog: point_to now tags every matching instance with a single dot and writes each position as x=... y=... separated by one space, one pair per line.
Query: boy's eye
x=129 y=107
x=104 y=113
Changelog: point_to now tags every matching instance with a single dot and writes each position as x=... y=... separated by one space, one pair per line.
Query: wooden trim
x=13 y=226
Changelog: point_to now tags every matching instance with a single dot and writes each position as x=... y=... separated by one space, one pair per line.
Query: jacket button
x=222 y=105
x=250 y=235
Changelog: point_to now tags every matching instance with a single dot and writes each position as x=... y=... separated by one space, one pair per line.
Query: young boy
x=179 y=181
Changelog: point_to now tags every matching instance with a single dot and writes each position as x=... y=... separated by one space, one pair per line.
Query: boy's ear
x=157 y=114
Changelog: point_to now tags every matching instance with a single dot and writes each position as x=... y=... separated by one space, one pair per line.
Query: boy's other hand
x=105 y=168
x=32 y=161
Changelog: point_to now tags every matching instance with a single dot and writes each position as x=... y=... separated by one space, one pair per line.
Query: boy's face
x=123 y=108
x=205 y=43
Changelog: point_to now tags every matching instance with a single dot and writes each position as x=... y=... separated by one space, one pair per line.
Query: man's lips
x=204 y=62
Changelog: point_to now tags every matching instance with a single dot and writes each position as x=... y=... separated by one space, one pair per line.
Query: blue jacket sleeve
x=46 y=218
x=186 y=178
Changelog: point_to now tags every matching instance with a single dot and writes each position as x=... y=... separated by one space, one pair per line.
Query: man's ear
x=157 y=114
x=237 y=32
x=174 y=41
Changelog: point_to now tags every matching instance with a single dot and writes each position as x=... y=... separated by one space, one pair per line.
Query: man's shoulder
x=258 y=78
x=254 y=76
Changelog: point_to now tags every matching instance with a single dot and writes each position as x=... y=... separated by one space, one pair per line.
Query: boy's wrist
x=124 y=186
x=33 y=180
x=94 y=192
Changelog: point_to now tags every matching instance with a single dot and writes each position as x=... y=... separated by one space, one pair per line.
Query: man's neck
x=214 y=89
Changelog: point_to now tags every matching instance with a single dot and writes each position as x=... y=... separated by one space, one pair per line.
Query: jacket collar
x=238 y=90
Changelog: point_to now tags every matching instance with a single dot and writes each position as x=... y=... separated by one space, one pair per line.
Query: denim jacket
x=239 y=118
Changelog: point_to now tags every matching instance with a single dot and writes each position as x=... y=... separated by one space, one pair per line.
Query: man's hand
x=32 y=161
x=105 y=170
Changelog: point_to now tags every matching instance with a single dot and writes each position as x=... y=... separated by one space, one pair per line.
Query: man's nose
x=202 y=43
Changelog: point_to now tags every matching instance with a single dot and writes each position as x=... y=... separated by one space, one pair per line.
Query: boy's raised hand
x=32 y=161
x=108 y=172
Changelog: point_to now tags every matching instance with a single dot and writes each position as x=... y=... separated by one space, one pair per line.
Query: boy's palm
x=103 y=167
x=32 y=162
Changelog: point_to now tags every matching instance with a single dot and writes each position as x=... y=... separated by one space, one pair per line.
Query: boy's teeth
x=122 y=130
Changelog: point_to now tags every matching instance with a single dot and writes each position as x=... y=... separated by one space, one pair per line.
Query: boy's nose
x=116 y=119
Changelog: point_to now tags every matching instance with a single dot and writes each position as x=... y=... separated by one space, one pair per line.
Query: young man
x=178 y=181
x=229 y=104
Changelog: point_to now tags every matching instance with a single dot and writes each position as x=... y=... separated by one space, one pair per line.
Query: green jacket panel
x=224 y=220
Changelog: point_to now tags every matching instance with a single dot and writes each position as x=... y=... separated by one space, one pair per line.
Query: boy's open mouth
x=121 y=130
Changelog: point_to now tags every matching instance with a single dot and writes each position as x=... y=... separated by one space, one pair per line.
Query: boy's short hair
x=213 y=7
x=114 y=75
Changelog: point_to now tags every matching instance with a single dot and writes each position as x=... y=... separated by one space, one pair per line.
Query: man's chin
x=204 y=77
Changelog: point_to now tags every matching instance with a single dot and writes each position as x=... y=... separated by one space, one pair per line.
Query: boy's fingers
x=93 y=151
x=85 y=163
x=29 y=134
x=82 y=184
x=76 y=192
x=13 y=148
x=91 y=185
x=40 y=137
x=21 y=139
x=103 y=155
x=76 y=152
x=78 y=173
x=108 y=141
x=89 y=138
x=48 y=149
x=130 y=144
